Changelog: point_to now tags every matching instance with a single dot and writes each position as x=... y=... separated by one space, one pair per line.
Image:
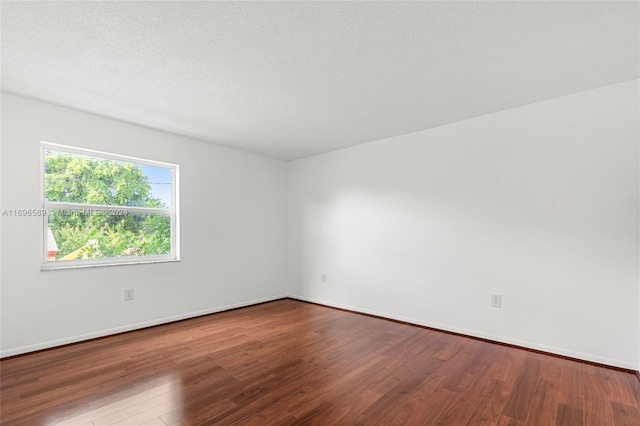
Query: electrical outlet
x=128 y=294
x=496 y=301
x=324 y=277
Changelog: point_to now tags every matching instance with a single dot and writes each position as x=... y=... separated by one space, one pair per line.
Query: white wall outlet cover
x=496 y=301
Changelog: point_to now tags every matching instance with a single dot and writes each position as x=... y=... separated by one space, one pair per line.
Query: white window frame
x=173 y=211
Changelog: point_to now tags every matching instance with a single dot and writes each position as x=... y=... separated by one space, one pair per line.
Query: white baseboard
x=102 y=333
x=475 y=333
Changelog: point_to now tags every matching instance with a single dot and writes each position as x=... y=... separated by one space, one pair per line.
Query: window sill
x=55 y=266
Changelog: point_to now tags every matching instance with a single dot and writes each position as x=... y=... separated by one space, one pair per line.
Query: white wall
x=233 y=208
x=538 y=204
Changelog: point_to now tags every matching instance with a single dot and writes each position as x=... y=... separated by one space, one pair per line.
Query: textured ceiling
x=293 y=79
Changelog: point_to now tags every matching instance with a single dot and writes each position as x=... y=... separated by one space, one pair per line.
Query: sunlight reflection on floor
x=158 y=405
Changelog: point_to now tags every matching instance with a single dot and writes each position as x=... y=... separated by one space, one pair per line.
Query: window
x=107 y=209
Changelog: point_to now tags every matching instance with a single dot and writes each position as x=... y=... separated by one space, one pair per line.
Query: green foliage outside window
x=73 y=178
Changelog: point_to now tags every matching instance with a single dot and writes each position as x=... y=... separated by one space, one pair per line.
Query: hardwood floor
x=290 y=362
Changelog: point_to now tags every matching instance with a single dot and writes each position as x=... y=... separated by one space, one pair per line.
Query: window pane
x=75 y=178
x=160 y=183
x=89 y=234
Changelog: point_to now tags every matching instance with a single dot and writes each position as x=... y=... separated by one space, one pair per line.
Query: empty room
x=320 y=213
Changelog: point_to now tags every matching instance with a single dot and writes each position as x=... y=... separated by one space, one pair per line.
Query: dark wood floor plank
x=570 y=394
x=597 y=405
x=293 y=363
x=425 y=406
x=481 y=381
x=509 y=421
x=521 y=397
x=615 y=383
x=625 y=415
x=569 y=415
x=490 y=407
x=544 y=404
